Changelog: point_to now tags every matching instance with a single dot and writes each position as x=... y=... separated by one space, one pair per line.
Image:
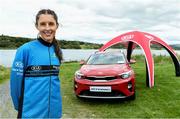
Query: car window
x=107 y=58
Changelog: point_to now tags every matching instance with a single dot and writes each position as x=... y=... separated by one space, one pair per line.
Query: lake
x=7 y=56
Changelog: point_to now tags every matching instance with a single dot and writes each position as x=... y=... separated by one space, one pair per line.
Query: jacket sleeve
x=17 y=75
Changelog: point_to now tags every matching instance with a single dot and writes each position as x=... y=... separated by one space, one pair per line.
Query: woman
x=35 y=86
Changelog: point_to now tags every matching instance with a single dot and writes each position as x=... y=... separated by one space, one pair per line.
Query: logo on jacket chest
x=37 y=68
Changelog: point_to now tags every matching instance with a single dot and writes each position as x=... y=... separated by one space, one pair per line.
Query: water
x=7 y=56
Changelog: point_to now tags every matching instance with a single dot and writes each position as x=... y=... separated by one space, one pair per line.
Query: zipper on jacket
x=49 y=83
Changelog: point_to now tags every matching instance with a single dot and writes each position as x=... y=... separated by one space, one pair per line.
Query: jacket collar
x=44 y=42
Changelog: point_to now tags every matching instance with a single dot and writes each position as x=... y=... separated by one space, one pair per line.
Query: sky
x=95 y=21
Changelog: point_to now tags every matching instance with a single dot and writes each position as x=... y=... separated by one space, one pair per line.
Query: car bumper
x=119 y=88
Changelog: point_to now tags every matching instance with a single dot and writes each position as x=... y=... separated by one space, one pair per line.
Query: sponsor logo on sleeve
x=19 y=64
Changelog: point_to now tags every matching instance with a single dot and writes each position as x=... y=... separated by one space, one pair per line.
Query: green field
x=4 y=74
x=161 y=101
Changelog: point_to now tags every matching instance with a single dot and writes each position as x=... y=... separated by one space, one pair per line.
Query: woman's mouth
x=47 y=33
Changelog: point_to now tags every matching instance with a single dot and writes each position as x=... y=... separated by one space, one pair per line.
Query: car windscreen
x=106 y=58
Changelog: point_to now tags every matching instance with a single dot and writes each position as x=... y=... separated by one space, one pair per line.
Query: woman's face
x=47 y=27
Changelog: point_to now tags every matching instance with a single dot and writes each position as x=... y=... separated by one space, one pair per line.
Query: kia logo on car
x=100 y=73
x=36 y=68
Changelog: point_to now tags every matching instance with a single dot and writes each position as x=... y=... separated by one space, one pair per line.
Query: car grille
x=93 y=78
x=104 y=94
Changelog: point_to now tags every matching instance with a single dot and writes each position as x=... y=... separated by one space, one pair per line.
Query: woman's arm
x=17 y=76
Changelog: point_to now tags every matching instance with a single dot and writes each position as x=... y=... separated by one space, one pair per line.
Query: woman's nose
x=47 y=27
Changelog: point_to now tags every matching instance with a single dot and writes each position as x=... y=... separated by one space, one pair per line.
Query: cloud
x=95 y=20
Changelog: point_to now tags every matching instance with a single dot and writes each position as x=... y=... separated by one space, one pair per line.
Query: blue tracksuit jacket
x=35 y=86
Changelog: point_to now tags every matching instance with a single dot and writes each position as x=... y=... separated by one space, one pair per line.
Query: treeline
x=177 y=46
x=78 y=45
x=9 y=42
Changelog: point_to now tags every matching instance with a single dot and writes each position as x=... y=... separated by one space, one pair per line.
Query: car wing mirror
x=132 y=61
x=82 y=62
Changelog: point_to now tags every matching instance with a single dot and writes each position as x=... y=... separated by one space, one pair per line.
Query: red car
x=106 y=75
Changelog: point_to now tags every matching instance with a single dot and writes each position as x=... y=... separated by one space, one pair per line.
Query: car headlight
x=79 y=75
x=126 y=75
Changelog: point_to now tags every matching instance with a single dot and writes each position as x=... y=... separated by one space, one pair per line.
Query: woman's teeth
x=47 y=32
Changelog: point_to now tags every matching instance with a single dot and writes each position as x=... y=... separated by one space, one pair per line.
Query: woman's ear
x=36 y=26
x=57 y=25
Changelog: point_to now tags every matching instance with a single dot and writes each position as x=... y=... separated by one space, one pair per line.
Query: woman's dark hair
x=55 y=42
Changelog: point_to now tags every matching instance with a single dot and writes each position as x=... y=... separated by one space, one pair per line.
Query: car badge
x=100 y=72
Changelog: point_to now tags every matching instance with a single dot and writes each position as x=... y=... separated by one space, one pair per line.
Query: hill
x=10 y=42
x=175 y=46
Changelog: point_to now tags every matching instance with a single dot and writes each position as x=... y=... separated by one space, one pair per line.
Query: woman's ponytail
x=57 y=50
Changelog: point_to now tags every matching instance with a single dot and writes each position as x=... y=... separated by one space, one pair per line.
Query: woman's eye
x=42 y=24
x=48 y=24
x=51 y=23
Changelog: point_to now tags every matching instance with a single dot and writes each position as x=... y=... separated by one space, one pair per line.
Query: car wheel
x=133 y=97
x=77 y=97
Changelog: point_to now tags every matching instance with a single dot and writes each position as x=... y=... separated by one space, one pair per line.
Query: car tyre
x=133 y=97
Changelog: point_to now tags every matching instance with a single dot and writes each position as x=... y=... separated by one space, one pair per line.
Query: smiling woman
x=35 y=85
x=47 y=27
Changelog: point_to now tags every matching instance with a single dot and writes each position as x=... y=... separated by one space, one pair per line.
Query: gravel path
x=6 y=107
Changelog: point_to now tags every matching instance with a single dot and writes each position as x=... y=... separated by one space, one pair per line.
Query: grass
x=161 y=101
x=4 y=74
